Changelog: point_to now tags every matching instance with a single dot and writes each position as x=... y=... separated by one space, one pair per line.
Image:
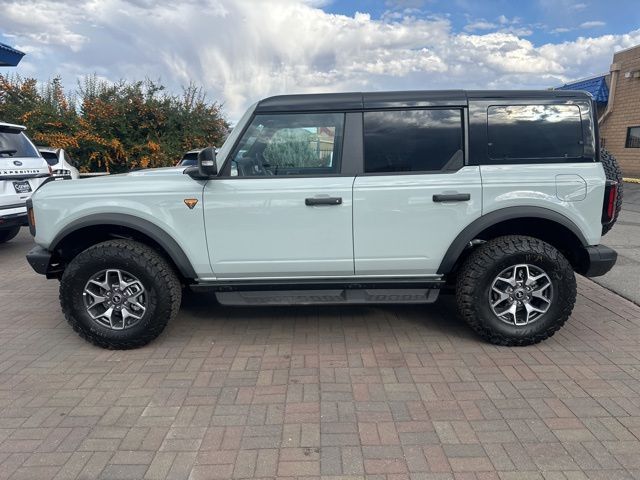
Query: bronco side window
x=413 y=141
x=290 y=144
x=545 y=133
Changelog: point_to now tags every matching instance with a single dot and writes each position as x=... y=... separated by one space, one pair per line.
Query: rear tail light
x=610 y=197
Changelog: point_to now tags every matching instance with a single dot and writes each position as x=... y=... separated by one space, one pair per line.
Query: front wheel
x=119 y=294
x=516 y=290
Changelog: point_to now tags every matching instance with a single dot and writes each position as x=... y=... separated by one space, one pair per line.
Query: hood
x=109 y=188
x=157 y=171
x=120 y=177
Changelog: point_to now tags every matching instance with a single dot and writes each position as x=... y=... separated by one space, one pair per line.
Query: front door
x=281 y=207
x=416 y=194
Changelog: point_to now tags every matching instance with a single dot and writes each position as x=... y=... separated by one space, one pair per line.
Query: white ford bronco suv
x=22 y=171
x=347 y=198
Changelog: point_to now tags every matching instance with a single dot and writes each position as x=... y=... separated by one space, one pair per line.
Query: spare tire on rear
x=613 y=172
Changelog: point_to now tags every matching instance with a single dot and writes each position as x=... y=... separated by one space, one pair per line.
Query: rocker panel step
x=329 y=297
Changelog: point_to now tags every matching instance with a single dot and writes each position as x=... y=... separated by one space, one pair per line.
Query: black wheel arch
x=84 y=232
x=527 y=220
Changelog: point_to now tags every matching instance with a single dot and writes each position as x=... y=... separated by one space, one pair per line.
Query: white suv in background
x=22 y=171
x=62 y=165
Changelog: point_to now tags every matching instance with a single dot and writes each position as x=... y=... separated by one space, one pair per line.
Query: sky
x=242 y=50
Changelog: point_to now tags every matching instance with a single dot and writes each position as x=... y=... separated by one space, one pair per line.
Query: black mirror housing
x=207 y=166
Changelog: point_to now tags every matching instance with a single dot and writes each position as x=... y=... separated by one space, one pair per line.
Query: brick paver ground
x=352 y=392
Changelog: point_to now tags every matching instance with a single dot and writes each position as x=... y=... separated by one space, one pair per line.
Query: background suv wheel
x=8 y=234
x=119 y=294
x=516 y=290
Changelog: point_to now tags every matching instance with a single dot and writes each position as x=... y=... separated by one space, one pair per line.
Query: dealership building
x=617 y=95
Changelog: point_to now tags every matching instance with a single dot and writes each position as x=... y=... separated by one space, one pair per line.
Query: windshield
x=189 y=160
x=16 y=144
x=221 y=155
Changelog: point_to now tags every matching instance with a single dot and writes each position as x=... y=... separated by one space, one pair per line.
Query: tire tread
x=156 y=265
x=481 y=260
x=613 y=172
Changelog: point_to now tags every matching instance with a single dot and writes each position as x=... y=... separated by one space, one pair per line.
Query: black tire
x=613 y=172
x=483 y=265
x=162 y=289
x=7 y=234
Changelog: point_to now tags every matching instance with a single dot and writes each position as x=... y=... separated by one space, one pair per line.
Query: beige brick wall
x=625 y=113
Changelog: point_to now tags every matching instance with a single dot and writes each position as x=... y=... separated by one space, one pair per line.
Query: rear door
x=416 y=193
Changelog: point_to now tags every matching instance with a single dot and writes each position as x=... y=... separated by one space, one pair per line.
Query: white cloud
x=502 y=24
x=480 y=25
x=243 y=50
x=592 y=24
x=50 y=23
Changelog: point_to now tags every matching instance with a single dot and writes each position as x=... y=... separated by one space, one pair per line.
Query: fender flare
x=472 y=230
x=151 y=230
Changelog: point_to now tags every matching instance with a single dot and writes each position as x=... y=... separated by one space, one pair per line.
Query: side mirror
x=207 y=166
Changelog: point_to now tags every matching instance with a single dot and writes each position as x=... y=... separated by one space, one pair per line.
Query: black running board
x=329 y=297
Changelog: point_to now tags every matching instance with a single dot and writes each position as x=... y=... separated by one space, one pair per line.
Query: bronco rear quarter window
x=543 y=133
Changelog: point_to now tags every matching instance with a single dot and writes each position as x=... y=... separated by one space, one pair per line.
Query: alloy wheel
x=521 y=294
x=115 y=299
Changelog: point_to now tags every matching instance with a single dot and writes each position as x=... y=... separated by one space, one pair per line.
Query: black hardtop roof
x=416 y=98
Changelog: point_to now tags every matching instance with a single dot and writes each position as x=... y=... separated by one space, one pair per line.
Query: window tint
x=16 y=144
x=534 y=132
x=50 y=157
x=413 y=141
x=291 y=144
x=633 y=137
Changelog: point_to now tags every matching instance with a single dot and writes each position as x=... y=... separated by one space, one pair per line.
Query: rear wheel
x=119 y=294
x=8 y=234
x=613 y=172
x=516 y=290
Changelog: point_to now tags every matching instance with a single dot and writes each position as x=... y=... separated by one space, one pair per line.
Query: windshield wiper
x=8 y=152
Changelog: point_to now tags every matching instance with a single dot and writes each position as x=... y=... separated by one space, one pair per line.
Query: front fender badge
x=190 y=202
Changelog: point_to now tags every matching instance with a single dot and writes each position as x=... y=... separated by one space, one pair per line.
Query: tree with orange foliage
x=113 y=127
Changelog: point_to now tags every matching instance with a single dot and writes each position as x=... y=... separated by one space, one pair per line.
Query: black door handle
x=452 y=197
x=323 y=201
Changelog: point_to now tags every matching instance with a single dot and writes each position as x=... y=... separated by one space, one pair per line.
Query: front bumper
x=40 y=260
x=599 y=260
